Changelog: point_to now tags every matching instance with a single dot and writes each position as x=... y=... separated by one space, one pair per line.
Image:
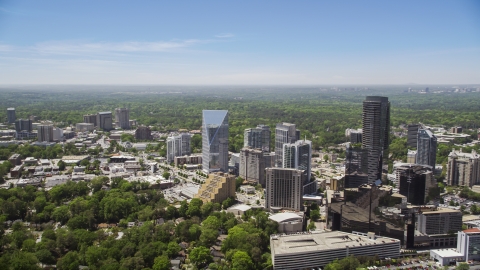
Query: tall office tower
x=463 y=169
x=143 y=133
x=252 y=166
x=45 y=133
x=298 y=155
x=178 y=146
x=284 y=188
x=122 y=118
x=258 y=137
x=104 y=121
x=426 y=148
x=356 y=136
x=215 y=141
x=57 y=134
x=376 y=129
x=356 y=165
x=11 y=115
x=412 y=133
x=415 y=182
x=90 y=118
x=23 y=125
x=284 y=133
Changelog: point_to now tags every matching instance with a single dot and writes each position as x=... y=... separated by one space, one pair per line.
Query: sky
x=239 y=42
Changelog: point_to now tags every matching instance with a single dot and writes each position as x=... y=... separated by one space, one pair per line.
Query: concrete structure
x=57 y=134
x=15 y=159
x=415 y=182
x=217 y=188
x=468 y=249
x=441 y=221
x=11 y=117
x=239 y=209
x=456 y=130
x=82 y=127
x=252 y=166
x=354 y=135
x=143 y=133
x=91 y=119
x=426 y=148
x=23 y=125
x=122 y=118
x=298 y=155
x=411 y=156
x=258 y=137
x=284 y=189
x=188 y=160
x=178 y=146
x=45 y=133
x=284 y=133
x=215 y=141
x=308 y=251
x=376 y=130
x=412 y=131
x=446 y=256
x=289 y=222
x=356 y=163
x=104 y=121
x=463 y=169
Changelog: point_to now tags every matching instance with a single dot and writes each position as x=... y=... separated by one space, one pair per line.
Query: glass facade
x=215 y=141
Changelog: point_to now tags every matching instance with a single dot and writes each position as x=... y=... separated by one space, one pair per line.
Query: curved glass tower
x=215 y=141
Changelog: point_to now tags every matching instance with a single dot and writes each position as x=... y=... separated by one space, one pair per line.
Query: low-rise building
x=217 y=188
x=289 y=222
x=440 y=221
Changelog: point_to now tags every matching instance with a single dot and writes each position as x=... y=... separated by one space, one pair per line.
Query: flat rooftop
x=441 y=211
x=310 y=242
x=447 y=253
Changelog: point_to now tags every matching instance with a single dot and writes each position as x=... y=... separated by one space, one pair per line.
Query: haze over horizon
x=240 y=43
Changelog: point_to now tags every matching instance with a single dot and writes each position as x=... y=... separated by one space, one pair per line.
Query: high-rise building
x=178 y=146
x=215 y=141
x=284 y=133
x=104 y=121
x=415 y=182
x=23 y=125
x=354 y=135
x=45 y=133
x=143 y=133
x=57 y=134
x=426 y=148
x=439 y=221
x=463 y=169
x=90 y=118
x=376 y=130
x=82 y=127
x=412 y=131
x=217 y=188
x=284 y=188
x=298 y=155
x=258 y=137
x=252 y=165
x=122 y=118
x=11 y=115
x=356 y=165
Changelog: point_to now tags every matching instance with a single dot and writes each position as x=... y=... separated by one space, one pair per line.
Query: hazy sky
x=239 y=42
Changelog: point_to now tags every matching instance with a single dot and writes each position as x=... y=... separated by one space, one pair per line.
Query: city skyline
x=244 y=43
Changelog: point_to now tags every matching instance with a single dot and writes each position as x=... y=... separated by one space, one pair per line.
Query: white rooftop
x=447 y=252
x=241 y=207
x=285 y=217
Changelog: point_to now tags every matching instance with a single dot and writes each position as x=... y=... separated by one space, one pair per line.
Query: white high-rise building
x=284 y=133
x=298 y=155
x=178 y=146
x=215 y=141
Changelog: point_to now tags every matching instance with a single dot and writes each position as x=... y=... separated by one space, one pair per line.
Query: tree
x=314 y=215
x=23 y=260
x=61 y=165
x=173 y=249
x=69 y=262
x=311 y=226
x=242 y=261
x=166 y=175
x=462 y=266
x=200 y=256
x=212 y=222
x=161 y=263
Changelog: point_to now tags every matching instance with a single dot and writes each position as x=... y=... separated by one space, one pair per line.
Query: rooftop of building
x=440 y=211
x=241 y=207
x=447 y=252
x=285 y=217
x=310 y=242
x=472 y=230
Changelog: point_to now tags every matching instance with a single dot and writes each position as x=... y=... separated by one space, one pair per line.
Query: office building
x=439 y=221
x=90 y=118
x=143 y=133
x=284 y=189
x=412 y=131
x=188 y=160
x=354 y=135
x=356 y=164
x=82 y=127
x=45 y=133
x=314 y=250
x=252 y=166
x=104 y=121
x=178 y=146
x=57 y=134
x=258 y=137
x=284 y=133
x=23 y=125
x=11 y=115
x=468 y=247
x=411 y=156
x=122 y=118
x=298 y=155
x=426 y=148
x=376 y=130
x=415 y=181
x=215 y=140
x=463 y=169
x=217 y=188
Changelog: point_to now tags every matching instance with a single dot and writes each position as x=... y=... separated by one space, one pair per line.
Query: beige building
x=463 y=169
x=440 y=221
x=284 y=189
x=411 y=156
x=217 y=188
x=252 y=166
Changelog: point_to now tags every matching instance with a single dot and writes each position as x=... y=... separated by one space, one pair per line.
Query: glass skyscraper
x=215 y=141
